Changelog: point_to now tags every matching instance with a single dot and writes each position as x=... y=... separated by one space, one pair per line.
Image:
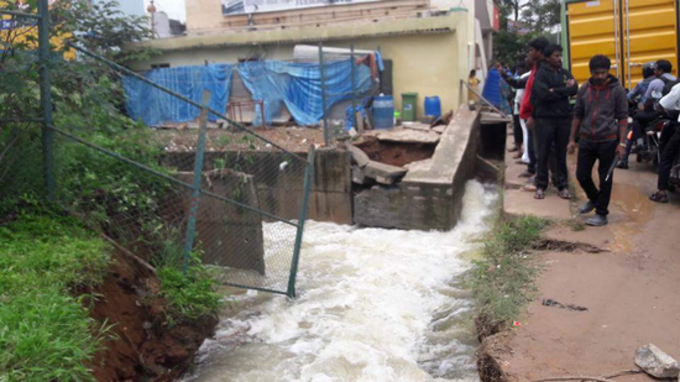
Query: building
x=129 y=7
x=432 y=44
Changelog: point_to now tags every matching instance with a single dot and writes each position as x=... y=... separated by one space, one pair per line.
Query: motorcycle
x=651 y=151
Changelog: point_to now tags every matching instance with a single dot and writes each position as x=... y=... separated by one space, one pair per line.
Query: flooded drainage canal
x=374 y=305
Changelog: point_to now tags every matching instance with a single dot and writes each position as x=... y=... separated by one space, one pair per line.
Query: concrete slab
x=359 y=157
x=408 y=136
x=383 y=173
x=450 y=153
x=439 y=129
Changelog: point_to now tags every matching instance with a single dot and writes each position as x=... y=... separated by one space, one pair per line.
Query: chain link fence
x=244 y=213
x=249 y=204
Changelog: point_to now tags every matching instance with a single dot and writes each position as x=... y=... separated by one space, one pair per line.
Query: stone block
x=408 y=136
x=229 y=235
x=656 y=363
x=359 y=157
x=376 y=169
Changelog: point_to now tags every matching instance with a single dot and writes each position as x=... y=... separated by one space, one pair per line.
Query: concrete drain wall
x=280 y=193
x=430 y=195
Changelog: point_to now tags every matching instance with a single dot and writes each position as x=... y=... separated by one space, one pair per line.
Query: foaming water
x=374 y=305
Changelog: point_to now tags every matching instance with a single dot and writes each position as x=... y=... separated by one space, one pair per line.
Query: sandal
x=564 y=194
x=659 y=197
x=540 y=194
x=529 y=187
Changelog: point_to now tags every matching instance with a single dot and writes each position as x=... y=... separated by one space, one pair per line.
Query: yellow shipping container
x=630 y=32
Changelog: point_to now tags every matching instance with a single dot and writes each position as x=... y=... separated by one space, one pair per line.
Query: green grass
x=192 y=296
x=46 y=334
x=502 y=282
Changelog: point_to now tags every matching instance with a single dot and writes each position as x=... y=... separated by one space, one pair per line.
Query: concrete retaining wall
x=280 y=192
x=430 y=195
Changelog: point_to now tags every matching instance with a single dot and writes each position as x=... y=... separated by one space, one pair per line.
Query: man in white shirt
x=671 y=106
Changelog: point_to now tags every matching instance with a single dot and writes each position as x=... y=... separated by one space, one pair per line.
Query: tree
x=543 y=15
x=512 y=8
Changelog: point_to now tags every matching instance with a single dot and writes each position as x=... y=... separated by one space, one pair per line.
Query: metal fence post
x=46 y=97
x=309 y=174
x=322 y=70
x=354 y=103
x=198 y=172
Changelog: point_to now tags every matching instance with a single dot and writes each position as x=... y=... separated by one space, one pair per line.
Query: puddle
x=637 y=211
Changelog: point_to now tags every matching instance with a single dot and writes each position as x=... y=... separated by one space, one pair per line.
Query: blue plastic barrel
x=492 y=88
x=433 y=107
x=383 y=112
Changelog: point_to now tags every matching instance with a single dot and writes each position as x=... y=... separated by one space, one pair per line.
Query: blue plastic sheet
x=155 y=107
x=298 y=87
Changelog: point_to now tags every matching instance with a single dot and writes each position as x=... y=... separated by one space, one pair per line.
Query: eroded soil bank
x=145 y=344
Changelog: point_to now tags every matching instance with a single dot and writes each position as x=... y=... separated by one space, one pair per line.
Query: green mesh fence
x=249 y=205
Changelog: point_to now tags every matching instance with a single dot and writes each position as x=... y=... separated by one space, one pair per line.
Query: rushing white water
x=374 y=305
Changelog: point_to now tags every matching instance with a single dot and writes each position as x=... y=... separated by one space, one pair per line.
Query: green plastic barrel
x=409 y=102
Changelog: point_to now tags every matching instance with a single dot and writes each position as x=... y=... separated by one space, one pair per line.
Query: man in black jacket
x=601 y=121
x=552 y=89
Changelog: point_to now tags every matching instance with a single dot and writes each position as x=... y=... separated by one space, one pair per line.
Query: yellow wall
x=427 y=63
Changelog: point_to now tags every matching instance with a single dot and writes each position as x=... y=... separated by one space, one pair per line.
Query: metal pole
x=46 y=97
x=179 y=96
x=326 y=137
x=198 y=173
x=463 y=83
x=354 y=112
x=309 y=174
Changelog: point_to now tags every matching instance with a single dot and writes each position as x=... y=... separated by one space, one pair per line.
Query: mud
x=566 y=246
x=141 y=346
x=394 y=153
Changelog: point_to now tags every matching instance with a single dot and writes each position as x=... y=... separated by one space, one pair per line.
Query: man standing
x=534 y=57
x=662 y=70
x=553 y=87
x=671 y=143
x=601 y=120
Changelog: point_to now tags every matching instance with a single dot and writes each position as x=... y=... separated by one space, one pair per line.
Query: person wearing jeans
x=670 y=141
x=552 y=89
x=601 y=121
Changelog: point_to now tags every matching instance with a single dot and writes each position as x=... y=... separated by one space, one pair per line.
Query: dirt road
x=631 y=291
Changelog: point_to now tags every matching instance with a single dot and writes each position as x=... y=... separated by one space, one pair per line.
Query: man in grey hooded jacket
x=601 y=123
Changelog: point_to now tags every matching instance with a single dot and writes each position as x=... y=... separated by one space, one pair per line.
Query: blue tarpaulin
x=298 y=87
x=154 y=106
x=278 y=83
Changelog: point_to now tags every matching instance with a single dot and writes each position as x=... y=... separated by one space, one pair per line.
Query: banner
x=236 y=7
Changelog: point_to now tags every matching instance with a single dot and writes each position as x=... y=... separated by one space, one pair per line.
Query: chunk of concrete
x=656 y=363
x=359 y=157
x=417 y=126
x=358 y=176
x=439 y=129
x=377 y=170
x=408 y=136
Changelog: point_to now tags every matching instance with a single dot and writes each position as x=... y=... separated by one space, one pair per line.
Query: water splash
x=374 y=305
